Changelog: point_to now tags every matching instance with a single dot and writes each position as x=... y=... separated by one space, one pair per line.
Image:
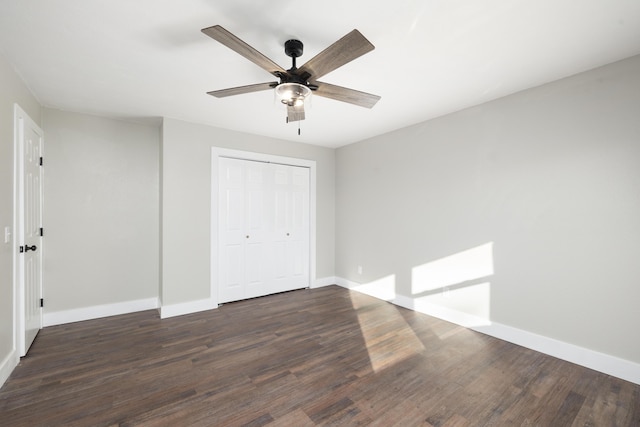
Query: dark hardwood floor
x=326 y=356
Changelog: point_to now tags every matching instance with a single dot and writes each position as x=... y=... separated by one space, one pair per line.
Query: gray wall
x=550 y=176
x=186 y=202
x=101 y=211
x=12 y=90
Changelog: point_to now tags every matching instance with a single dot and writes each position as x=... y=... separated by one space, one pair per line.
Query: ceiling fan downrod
x=293 y=48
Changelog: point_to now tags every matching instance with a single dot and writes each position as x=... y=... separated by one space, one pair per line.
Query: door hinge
x=41 y=302
x=41 y=161
x=41 y=231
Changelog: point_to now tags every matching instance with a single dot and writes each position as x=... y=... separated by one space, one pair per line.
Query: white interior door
x=264 y=231
x=29 y=146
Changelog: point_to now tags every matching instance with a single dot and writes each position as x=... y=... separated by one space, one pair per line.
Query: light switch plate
x=7 y=234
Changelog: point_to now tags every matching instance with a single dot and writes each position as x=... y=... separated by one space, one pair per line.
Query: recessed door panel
x=297 y=259
x=280 y=253
x=234 y=209
x=255 y=209
x=234 y=274
x=255 y=283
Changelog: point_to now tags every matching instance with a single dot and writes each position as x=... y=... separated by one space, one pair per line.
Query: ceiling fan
x=296 y=84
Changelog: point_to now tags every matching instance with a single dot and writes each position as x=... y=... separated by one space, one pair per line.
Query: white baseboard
x=454 y=316
x=98 y=311
x=370 y=289
x=188 y=307
x=325 y=281
x=591 y=359
x=611 y=365
x=7 y=366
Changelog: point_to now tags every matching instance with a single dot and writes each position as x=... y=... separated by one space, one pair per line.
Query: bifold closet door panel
x=291 y=228
x=243 y=237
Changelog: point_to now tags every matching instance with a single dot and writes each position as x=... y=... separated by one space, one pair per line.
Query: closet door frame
x=216 y=154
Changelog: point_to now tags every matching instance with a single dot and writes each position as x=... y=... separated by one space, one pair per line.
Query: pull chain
x=287 y=121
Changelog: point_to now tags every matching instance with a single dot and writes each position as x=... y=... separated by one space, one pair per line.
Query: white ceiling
x=141 y=59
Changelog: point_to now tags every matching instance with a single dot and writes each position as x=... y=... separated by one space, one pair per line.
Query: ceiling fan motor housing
x=293 y=48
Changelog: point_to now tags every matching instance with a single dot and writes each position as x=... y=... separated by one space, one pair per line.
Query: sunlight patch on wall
x=473 y=299
x=388 y=337
x=455 y=287
x=384 y=288
x=462 y=267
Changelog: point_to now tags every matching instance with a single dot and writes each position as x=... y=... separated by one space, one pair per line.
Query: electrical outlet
x=7 y=234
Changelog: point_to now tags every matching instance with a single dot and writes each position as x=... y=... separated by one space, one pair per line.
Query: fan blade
x=242 y=89
x=344 y=94
x=295 y=113
x=234 y=43
x=348 y=48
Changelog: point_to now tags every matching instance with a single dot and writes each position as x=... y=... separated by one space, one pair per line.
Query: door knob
x=28 y=248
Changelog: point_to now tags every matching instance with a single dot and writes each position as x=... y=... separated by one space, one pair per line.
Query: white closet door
x=263 y=228
x=291 y=228
x=241 y=230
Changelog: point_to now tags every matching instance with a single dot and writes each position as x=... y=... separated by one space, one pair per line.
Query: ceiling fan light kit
x=292 y=94
x=295 y=85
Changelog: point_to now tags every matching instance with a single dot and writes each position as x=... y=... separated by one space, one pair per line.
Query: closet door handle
x=28 y=248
